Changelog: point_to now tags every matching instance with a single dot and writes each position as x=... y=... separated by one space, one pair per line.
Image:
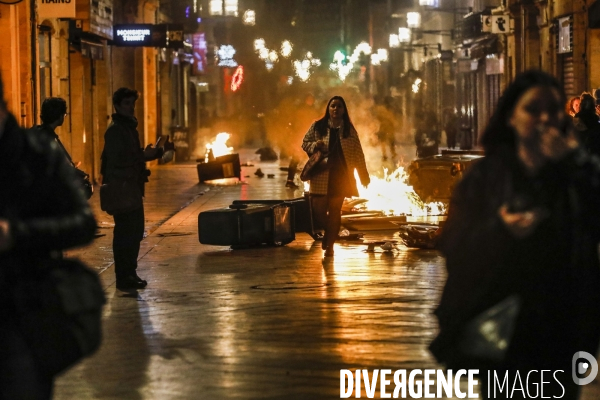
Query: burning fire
x=219 y=145
x=393 y=196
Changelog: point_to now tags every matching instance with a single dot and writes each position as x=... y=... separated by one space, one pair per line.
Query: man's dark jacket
x=123 y=157
x=46 y=210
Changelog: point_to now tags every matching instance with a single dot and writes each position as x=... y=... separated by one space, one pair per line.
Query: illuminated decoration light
x=286 y=48
x=413 y=19
x=404 y=35
x=416 y=85
x=225 y=54
x=269 y=64
x=237 y=78
x=249 y=17
x=394 y=41
x=273 y=56
x=343 y=70
x=303 y=68
x=429 y=3
x=301 y=72
x=290 y=80
x=383 y=54
x=259 y=44
x=363 y=47
x=263 y=54
x=375 y=60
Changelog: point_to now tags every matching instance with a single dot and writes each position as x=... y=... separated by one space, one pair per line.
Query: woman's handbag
x=315 y=164
x=488 y=335
x=58 y=309
x=120 y=196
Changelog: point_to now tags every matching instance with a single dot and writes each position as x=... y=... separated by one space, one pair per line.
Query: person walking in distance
x=124 y=158
x=335 y=135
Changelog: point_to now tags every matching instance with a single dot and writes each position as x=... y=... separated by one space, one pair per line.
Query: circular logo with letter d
x=582 y=363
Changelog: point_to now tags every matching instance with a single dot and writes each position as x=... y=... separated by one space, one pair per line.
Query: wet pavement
x=258 y=323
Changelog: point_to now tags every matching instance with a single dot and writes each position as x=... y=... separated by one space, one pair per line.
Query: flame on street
x=219 y=145
x=393 y=196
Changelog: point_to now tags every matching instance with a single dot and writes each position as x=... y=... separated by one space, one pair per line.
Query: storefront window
x=44 y=57
x=224 y=7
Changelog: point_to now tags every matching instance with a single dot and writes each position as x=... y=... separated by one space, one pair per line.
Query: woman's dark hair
x=498 y=131
x=587 y=104
x=322 y=124
x=587 y=112
x=124 y=93
x=52 y=109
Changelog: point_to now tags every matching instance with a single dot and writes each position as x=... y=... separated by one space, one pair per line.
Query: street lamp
x=404 y=35
x=413 y=19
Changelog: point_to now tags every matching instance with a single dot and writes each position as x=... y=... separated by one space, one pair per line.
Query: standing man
x=124 y=158
x=54 y=111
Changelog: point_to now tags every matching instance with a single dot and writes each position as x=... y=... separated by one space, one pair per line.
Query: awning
x=90 y=45
x=92 y=49
x=483 y=47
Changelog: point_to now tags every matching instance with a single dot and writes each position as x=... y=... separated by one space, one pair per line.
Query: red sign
x=237 y=79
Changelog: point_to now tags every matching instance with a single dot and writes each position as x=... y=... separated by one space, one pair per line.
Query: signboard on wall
x=148 y=35
x=500 y=24
x=55 y=8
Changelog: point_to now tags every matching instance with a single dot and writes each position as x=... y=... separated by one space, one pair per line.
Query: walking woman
x=334 y=135
x=524 y=223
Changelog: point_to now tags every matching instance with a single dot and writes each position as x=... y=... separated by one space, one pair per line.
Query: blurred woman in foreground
x=524 y=222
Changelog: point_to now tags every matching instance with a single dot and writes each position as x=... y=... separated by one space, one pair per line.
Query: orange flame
x=392 y=195
x=219 y=145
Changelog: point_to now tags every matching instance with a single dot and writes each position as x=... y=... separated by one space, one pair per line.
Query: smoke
x=287 y=124
x=379 y=127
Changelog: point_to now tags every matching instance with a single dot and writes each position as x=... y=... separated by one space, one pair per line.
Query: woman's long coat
x=353 y=154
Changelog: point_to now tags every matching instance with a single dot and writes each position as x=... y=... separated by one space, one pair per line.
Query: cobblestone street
x=258 y=323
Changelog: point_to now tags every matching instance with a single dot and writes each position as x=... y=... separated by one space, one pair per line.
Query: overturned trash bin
x=247 y=224
x=303 y=221
x=222 y=167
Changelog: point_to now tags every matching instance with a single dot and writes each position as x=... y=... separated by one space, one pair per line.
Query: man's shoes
x=317 y=236
x=131 y=282
x=135 y=275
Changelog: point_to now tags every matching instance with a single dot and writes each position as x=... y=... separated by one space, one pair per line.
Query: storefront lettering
x=133 y=35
